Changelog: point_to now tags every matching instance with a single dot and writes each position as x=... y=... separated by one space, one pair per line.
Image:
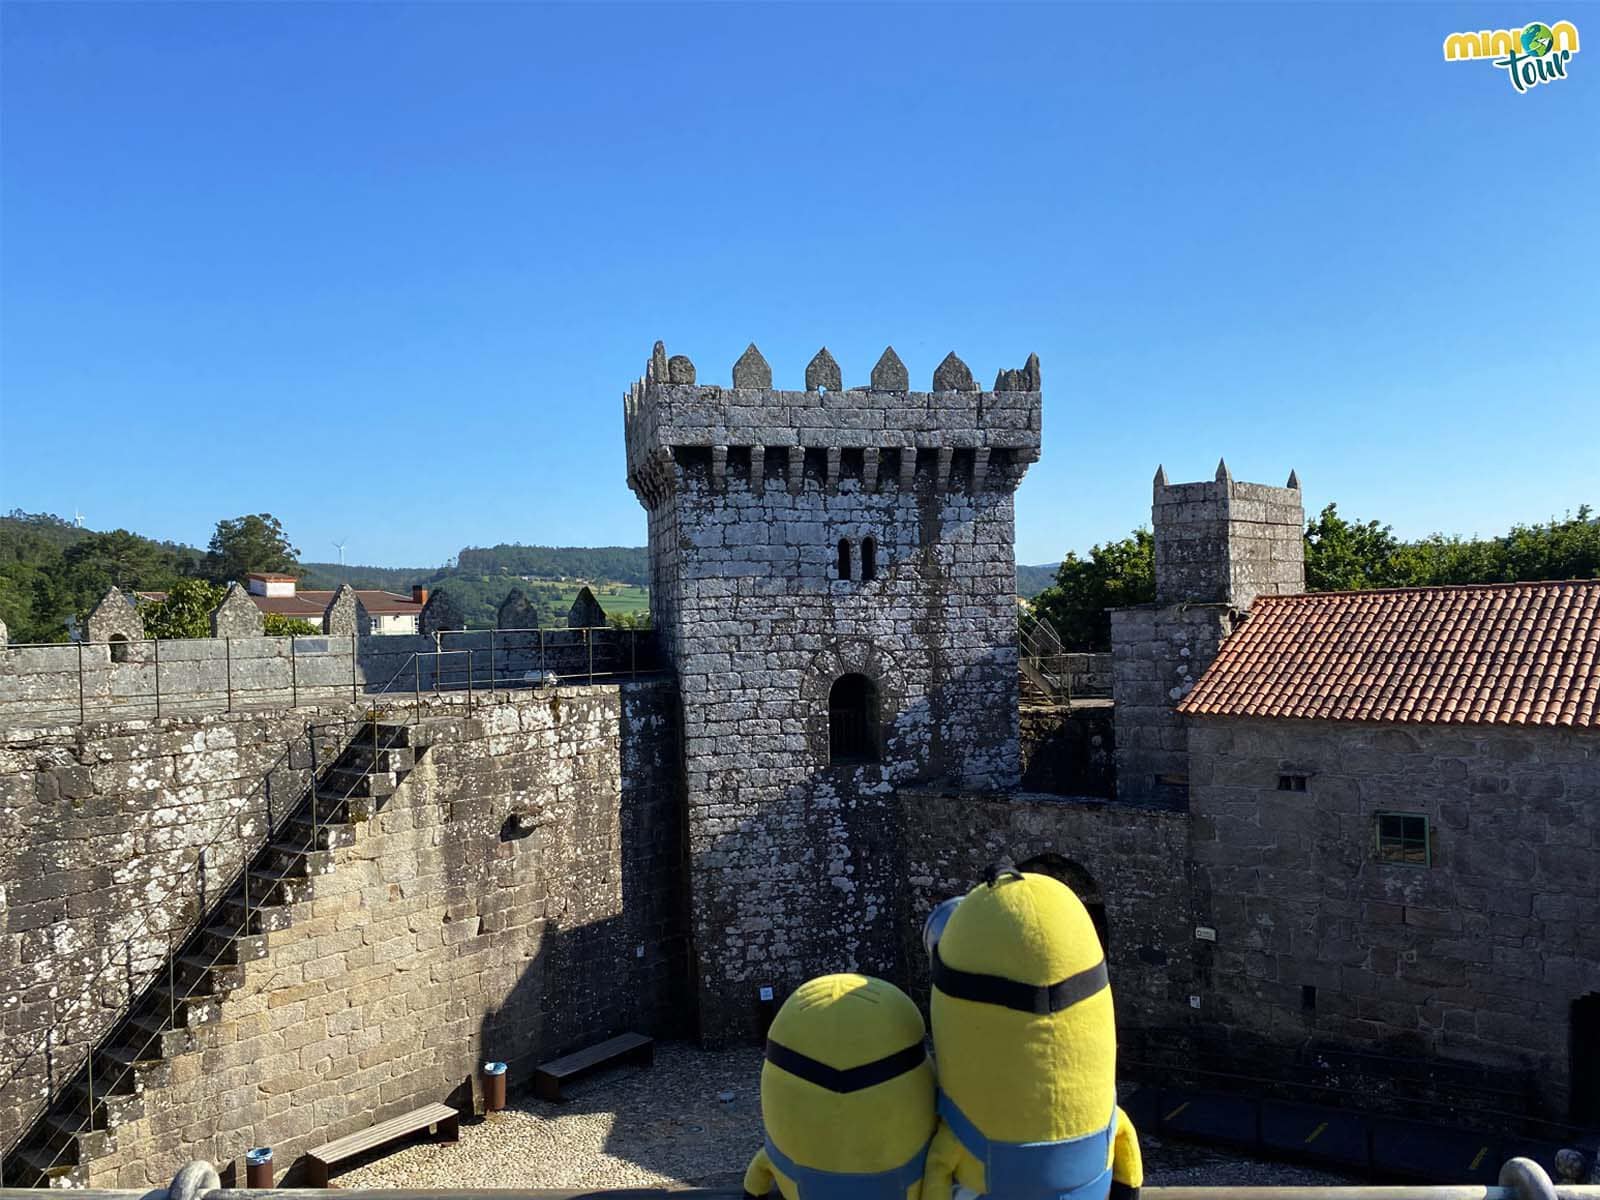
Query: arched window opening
x=1585 y=1045
x=119 y=647
x=853 y=720
x=844 y=558
x=869 y=558
x=1082 y=884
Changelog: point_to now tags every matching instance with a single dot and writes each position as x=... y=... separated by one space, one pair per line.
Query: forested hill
x=626 y=564
x=623 y=564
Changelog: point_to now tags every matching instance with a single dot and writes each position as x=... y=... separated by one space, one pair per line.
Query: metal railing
x=1043 y=659
x=1519 y=1179
x=59 y=682
x=499 y=666
x=144 y=997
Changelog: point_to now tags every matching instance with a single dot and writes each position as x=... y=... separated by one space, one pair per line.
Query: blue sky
x=384 y=270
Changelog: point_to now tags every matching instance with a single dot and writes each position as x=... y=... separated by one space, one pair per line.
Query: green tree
x=278 y=625
x=102 y=561
x=186 y=611
x=1343 y=556
x=250 y=543
x=1115 y=575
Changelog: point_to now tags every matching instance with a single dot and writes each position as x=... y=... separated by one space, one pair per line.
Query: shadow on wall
x=806 y=878
x=604 y=966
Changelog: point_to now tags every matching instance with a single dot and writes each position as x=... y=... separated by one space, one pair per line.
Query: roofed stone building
x=1394 y=800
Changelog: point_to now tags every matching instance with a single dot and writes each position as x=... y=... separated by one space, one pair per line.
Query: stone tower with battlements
x=1218 y=545
x=833 y=581
x=1227 y=543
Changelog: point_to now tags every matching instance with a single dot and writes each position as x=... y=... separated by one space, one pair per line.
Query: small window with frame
x=1293 y=783
x=1403 y=838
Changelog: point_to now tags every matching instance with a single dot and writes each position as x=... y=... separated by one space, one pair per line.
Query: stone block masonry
x=1125 y=863
x=44 y=686
x=1475 y=957
x=519 y=894
x=1218 y=545
x=802 y=542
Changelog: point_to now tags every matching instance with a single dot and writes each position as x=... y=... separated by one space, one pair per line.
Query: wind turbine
x=77 y=517
x=339 y=546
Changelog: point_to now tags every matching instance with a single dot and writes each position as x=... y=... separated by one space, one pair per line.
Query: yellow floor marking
x=1316 y=1133
x=1176 y=1111
x=1478 y=1157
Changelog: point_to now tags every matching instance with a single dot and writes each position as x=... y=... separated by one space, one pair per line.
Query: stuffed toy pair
x=1026 y=1045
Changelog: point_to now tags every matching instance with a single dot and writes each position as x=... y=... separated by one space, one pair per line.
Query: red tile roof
x=1496 y=654
x=304 y=603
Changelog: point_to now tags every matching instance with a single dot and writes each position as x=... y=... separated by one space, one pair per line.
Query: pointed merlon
x=823 y=372
x=658 y=363
x=680 y=369
x=1161 y=475
x=1024 y=379
x=1294 y=480
x=1222 y=471
x=890 y=375
x=752 y=371
x=952 y=375
x=1030 y=373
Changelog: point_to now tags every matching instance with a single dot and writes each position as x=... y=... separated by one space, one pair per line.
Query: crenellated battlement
x=881 y=433
x=1226 y=541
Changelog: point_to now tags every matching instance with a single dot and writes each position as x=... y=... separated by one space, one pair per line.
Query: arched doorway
x=853 y=720
x=1082 y=884
x=1585 y=1054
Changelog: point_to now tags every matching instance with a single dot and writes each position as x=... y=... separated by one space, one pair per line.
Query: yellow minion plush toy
x=1026 y=1047
x=846 y=1094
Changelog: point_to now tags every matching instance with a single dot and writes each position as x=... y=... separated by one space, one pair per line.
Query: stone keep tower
x=833 y=580
x=1218 y=545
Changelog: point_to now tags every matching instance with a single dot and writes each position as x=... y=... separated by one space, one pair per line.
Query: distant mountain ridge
x=1033 y=580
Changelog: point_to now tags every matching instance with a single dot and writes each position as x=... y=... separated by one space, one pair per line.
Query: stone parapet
x=752 y=432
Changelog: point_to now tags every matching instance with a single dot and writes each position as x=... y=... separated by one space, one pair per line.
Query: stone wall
x=754 y=495
x=1128 y=860
x=1158 y=655
x=1475 y=959
x=1222 y=542
x=1088 y=674
x=1069 y=752
x=51 y=685
x=518 y=895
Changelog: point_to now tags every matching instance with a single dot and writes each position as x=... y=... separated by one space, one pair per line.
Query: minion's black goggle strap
x=850 y=1079
x=1009 y=993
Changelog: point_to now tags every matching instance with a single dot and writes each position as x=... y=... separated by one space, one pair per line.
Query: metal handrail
x=1561 y=1129
x=1519 y=1179
x=133 y=705
x=174 y=945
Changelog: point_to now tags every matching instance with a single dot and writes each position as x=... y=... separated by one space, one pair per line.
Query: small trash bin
x=494 y=1086
x=258 y=1167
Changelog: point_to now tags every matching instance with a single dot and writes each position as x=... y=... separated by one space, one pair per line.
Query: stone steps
x=210 y=963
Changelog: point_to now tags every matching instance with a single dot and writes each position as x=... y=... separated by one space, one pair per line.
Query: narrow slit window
x=869 y=558
x=1291 y=783
x=1403 y=838
x=844 y=558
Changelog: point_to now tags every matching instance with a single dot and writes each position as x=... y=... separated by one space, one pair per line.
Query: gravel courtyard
x=668 y=1127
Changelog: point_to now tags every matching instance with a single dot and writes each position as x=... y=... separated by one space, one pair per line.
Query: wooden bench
x=320 y=1159
x=625 y=1047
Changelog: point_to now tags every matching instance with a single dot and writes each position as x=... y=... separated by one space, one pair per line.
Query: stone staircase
x=134 y=1058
